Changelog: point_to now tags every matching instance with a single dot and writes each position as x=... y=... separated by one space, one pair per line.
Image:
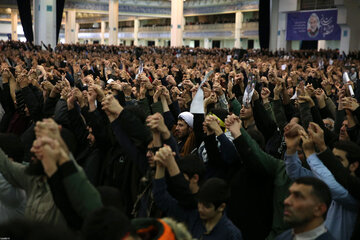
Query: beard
x=295 y=221
x=35 y=169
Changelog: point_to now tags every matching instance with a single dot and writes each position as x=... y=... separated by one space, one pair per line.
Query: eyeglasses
x=153 y=149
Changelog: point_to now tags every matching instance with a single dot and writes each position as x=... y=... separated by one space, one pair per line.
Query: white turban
x=188 y=117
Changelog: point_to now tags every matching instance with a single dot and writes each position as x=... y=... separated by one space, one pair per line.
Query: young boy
x=206 y=222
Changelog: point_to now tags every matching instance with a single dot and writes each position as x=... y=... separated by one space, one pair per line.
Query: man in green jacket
x=274 y=167
x=40 y=205
x=54 y=156
x=51 y=152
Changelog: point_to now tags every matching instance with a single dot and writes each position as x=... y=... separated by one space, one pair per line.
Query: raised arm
x=341 y=174
x=162 y=198
x=14 y=172
x=54 y=156
x=338 y=192
x=131 y=134
x=272 y=165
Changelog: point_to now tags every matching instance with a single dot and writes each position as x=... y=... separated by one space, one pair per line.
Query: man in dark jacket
x=306 y=208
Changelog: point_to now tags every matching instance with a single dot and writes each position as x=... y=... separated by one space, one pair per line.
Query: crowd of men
x=118 y=142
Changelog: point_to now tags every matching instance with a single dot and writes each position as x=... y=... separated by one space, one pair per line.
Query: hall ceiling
x=96 y=10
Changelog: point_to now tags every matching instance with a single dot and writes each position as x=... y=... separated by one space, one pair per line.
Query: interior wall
x=295 y=45
x=333 y=44
x=187 y=42
x=229 y=43
x=244 y=43
x=256 y=44
x=5 y=28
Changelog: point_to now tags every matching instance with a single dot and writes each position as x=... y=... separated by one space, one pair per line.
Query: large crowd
x=119 y=142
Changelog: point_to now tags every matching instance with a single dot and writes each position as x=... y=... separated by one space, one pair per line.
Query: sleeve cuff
x=221 y=137
x=241 y=143
x=176 y=178
x=67 y=169
x=324 y=153
x=291 y=155
x=357 y=111
x=54 y=178
x=159 y=185
x=117 y=121
x=312 y=158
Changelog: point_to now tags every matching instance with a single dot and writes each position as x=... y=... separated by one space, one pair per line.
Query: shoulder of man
x=325 y=236
x=231 y=229
x=287 y=235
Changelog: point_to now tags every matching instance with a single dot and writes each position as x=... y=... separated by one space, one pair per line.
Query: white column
x=136 y=31
x=177 y=23
x=14 y=23
x=281 y=33
x=321 y=44
x=207 y=43
x=345 y=39
x=45 y=22
x=77 y=32
x=102 y=35
x=238 y=24
x=157 y=42
x=274 y=21
x=113 y=21
x=70 y=27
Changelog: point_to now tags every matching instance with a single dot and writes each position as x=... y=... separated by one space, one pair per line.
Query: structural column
x=177 y=23
x=113 y=21
x=274 y=22
x=157 y=42
x=14 y=23
x=348 y=18
x=70 y=27
x=207 y=43
x=345 y=39
x=45 y=22
x=238 y=24
x=281 y=33
x=321 y=44
x=136 y=31
x=77 y=29
x=103 y=24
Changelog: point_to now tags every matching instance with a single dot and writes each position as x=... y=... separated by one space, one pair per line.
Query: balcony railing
x=250 y=26
x=191 y=28
x=91 y=30
x=218 y=26
x=126 y=29
x=248 y=29
x=155 y=29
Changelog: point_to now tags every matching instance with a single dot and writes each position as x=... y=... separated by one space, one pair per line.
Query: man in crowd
x=184 y=133
x=305 y=210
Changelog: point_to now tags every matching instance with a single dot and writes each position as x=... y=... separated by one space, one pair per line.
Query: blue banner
x=313 y=25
